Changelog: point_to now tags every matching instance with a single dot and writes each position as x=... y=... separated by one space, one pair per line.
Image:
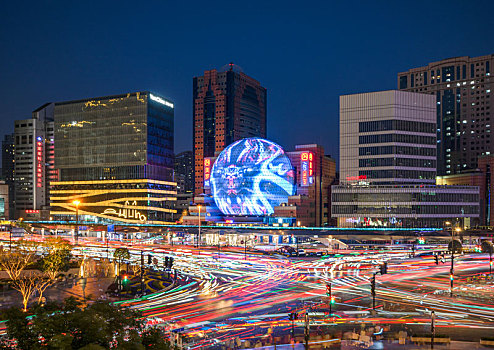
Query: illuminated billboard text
x=39 y=161
x=207 y=171
x=307 y=165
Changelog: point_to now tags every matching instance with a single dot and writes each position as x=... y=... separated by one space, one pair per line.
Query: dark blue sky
x=305 y=53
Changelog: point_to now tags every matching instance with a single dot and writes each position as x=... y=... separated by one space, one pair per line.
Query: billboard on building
x=307 y=165
x=251 y=177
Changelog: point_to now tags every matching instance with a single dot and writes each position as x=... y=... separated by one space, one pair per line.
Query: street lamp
x=76 y=203
x=199 y=235
x=452 y=270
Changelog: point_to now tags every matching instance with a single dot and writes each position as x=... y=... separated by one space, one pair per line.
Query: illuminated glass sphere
x=251 y=177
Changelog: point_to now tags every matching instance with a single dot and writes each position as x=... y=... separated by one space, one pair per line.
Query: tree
x=120 y=255
x=70 y=326
x=152 y=338
x=16 y=260
x=27 y=284
x=57 y=258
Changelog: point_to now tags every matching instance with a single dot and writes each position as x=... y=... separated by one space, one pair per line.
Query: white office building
x=388 y=137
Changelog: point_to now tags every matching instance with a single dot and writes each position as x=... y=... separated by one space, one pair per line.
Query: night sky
x=305 y=53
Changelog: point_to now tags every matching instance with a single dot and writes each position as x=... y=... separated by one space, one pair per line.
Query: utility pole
x=107 y=253
x=142 y=273
x=433 y=328
x=490 y=261
x=307 y=330
x=373 y=291
x=329 y=293
x=76 y=203
x=199 y=235
x=293 y=316
x=452 y=270
x=296 y=241
x=245 y=248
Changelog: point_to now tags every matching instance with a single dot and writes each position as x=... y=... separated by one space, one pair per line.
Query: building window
x=403 y=82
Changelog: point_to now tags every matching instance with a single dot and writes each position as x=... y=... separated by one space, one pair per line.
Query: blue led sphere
x=251 y=177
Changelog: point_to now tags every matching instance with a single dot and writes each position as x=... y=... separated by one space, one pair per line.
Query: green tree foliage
x=121 y=254
x=57 y=258
x=69 y=326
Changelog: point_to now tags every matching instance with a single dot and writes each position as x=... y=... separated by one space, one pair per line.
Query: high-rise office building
x=8 y=164
x=33 y=167
x=184 y=177
x=184 y=172
x=388 y=166
x=115 y=155
x=228 y=106
x=463 y=89
x=387 y=137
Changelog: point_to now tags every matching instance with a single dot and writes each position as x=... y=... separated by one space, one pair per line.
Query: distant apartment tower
x=184 y=172
x=463 y=89
x=115 y=155
x=228 y=106
x=8 y=164
x=387 y=137
x=33 y=169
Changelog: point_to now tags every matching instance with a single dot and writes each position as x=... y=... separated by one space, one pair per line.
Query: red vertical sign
x=307 y=165
x=39 y=161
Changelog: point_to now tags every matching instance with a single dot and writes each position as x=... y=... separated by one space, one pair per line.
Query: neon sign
x=207 y=171
x=160 y=100
x=356 y=178
x=307 y=164
x=126 y=213
x=39 y=161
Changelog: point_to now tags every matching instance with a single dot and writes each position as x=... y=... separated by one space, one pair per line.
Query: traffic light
x=293 y=316
x=125 y=282
x=171 y=262
x=142 y=258
x=149 y=259
x=332 y=301
x=383 y=268
x=166 y=262
x=328 y=289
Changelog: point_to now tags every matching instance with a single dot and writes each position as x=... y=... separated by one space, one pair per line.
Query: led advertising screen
x=251 y=177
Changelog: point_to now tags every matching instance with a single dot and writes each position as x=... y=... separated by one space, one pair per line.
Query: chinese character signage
x=307 y=165
x=39 y=161
x=207 y=172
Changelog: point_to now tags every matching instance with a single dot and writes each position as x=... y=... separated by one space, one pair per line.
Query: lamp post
x=76 y=203
x=452 y=270
x=199 y=235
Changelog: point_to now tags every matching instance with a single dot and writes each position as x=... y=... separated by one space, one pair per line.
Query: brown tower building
x=464 y=90
x=228 y=106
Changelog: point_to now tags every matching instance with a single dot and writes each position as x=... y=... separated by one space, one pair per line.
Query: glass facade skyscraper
x=115 y=155
x=115 y=138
